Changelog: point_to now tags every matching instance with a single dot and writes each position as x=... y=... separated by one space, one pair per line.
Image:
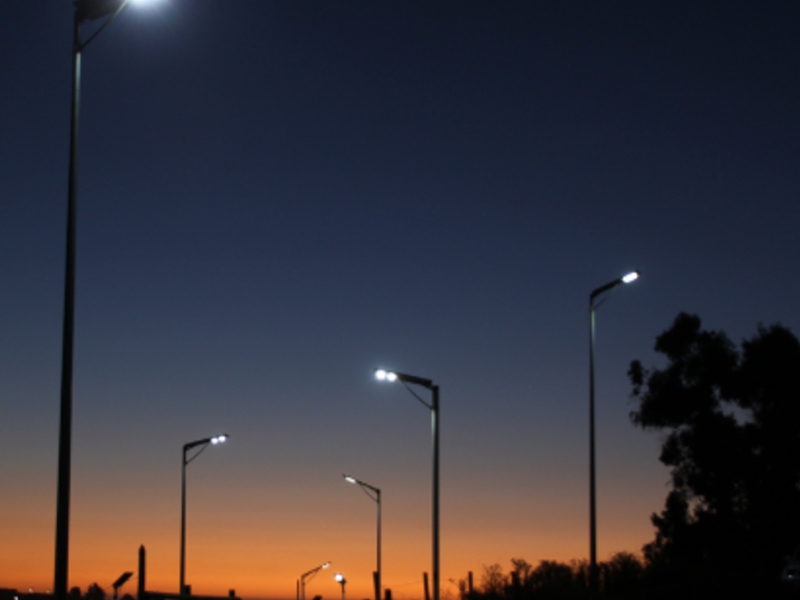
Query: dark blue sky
x=277 y=197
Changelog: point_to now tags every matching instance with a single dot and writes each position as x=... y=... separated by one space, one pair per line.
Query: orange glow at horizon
x=264 y=559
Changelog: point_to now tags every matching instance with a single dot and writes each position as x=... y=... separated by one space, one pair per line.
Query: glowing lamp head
x=349 y=479
x=384 y=375
x=630 y=277
x=339 y=577
x=219 y=439
x=326 y=565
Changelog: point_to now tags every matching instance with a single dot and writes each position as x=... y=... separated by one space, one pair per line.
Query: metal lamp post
x=377 y=498
x=85 y=10
x=384 y=375
x=593 y=574
x=203 y=444
x=309 y=574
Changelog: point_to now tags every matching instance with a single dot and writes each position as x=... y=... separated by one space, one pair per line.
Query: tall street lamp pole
x=203 y=444
x=384 y=375
x=593 y=573
x=377 y=498
x=85 y=10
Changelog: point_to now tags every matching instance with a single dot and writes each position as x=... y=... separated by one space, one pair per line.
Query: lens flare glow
x=384 y=375
x=630 y=277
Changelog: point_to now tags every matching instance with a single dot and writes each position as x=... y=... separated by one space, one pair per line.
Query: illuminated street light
x=203 y=444
x=85 y=10
x=593 y=573
x=301 y=583
x=384 y=375
x=377 y=498
x=340 y=578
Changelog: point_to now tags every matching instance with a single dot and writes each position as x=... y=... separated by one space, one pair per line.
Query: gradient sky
x=277 y=197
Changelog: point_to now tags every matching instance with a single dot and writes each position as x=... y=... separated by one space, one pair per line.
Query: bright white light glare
x=326 y=565
x=630 y=277
x=349 y=479
x=222 y=438
x=339 y=577
x=214 y=440
x=384 y=375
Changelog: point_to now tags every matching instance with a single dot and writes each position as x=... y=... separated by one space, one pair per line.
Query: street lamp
x=384 y=375
x=377 y=498
x=203 y=444
x=301 y=585
x=340 y=578
x=85 y=10
x=593 y=574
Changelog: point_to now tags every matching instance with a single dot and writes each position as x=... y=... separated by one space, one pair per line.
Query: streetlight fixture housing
x=384 y=375
x=91 y=10
x=632 y=276
x=340 y=578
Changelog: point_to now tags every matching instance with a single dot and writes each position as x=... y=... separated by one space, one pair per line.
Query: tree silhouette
x=622 y=575
x=95 y=592
x=493 y=581
x=731 y=420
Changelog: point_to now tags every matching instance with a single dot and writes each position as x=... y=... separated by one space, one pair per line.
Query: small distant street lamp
x=85 y=10
x=301 y=584
x=203 y=444
x=384 y=375
x=377 y=498
x=593 y=573
x=340 y=578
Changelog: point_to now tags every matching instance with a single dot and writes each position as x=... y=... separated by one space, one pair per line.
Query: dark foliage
x=621 y=578
x=731 y=425
x=94 y=592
